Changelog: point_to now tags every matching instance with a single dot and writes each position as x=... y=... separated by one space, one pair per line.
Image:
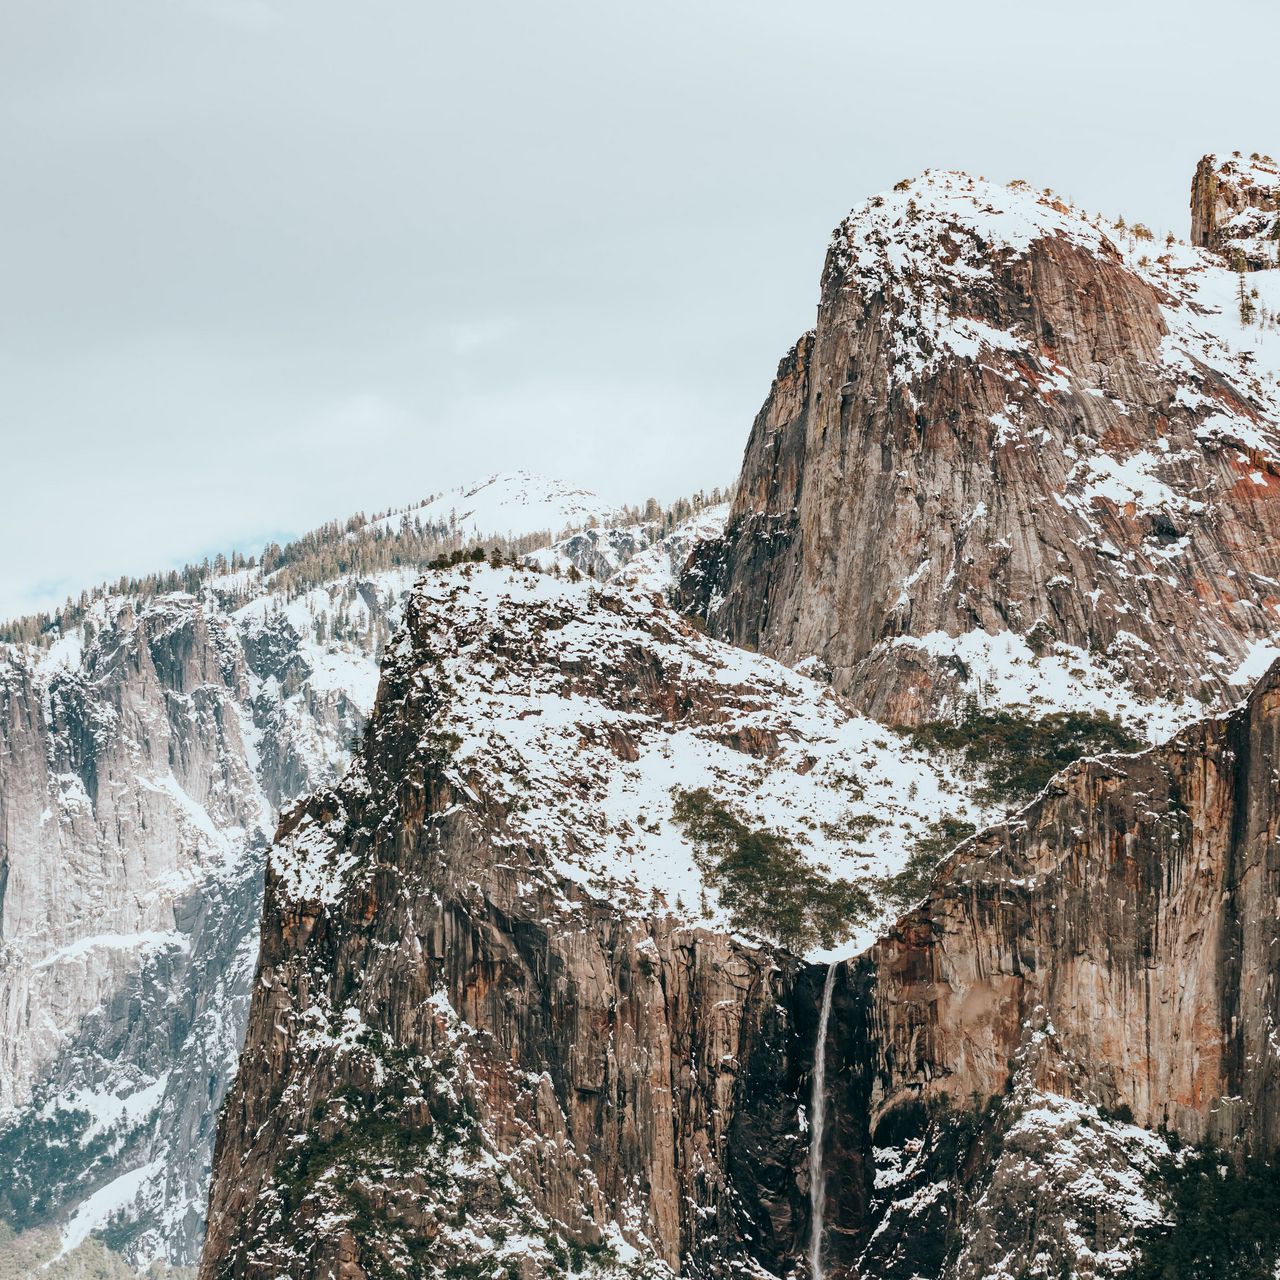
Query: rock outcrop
x=1011 y=432
x=541 y=978
x=148 y=741
x=1235 y=210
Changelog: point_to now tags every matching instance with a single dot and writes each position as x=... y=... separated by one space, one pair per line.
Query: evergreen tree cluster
x=1223 y=1220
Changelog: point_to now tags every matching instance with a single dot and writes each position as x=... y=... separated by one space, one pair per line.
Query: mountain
x=522 y=1001
x=149 y=741
x=870 y=873
x=766 y=935
x=511 y=504
x=1084 y=989
x=1015 y=431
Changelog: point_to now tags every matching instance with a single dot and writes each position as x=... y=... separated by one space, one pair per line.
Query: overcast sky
x=264 y=262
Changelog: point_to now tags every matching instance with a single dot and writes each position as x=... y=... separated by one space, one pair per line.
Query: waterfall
x=817 y=1126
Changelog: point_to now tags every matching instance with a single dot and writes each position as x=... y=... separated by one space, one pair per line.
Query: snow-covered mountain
x=511 y=504
x=701 y=892
x=570 y=976
x=147 y=747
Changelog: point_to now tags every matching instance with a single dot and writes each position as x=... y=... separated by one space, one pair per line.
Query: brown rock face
x=469 y=1048
x=1235 y=210
x=1116 y=947
x=1130 y=915
x=450 y=1041
x=1001 y=425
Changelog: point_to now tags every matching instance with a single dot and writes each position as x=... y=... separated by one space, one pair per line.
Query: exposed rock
x=142 y=760
x=1235 y=210
x=497 y=898
x=427 y=934
x=1110 y=952
x=499 y=894
x=144 y=756
x=1010 y=432
x=621 y=1079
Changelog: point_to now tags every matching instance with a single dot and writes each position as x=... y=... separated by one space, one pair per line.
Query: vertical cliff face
x=1011 y=433
x=142 y=759
x=1129 y=915
x=157 y=696
x=1110 y=953
x=1235 y=210
x=541 y=977
x=762 y=555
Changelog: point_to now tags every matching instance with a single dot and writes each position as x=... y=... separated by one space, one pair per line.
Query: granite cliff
x=1014 y=430
x=508 y=1016
x=617 y=935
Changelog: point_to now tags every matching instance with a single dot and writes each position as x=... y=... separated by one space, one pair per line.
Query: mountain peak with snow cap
x=1012 y=420
x=515 y=504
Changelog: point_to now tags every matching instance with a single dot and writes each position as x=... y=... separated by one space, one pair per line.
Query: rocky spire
x=1235 y=209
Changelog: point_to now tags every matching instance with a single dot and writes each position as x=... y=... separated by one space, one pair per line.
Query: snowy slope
x=546 y=706
x=510 y=504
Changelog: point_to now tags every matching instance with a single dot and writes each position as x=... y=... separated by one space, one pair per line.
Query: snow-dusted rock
x=1235 y=210
x=143 y=759
x=1011 y=421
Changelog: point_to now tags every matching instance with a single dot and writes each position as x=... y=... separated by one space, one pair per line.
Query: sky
x=268 y=262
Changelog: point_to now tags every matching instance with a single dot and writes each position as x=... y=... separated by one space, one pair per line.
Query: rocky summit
x=869 y=873
x=1015 y=430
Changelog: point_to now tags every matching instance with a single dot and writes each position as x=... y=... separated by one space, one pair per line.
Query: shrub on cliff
x=762 y=881
x=1015 y=753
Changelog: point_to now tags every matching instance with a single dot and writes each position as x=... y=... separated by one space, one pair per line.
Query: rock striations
x=144 y=759
x=1013 y=430
x=147 y=745
x=1111 y=952
x=502 y=1012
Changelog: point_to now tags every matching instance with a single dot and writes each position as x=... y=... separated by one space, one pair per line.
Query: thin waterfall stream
x=817 y=1127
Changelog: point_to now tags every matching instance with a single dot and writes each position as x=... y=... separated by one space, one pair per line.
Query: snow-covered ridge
x=639 y=555
x=509 y=504
x=945 y=235
x=1252 y=171
x=551 y=725
x=886 y=236
x=208 y=712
